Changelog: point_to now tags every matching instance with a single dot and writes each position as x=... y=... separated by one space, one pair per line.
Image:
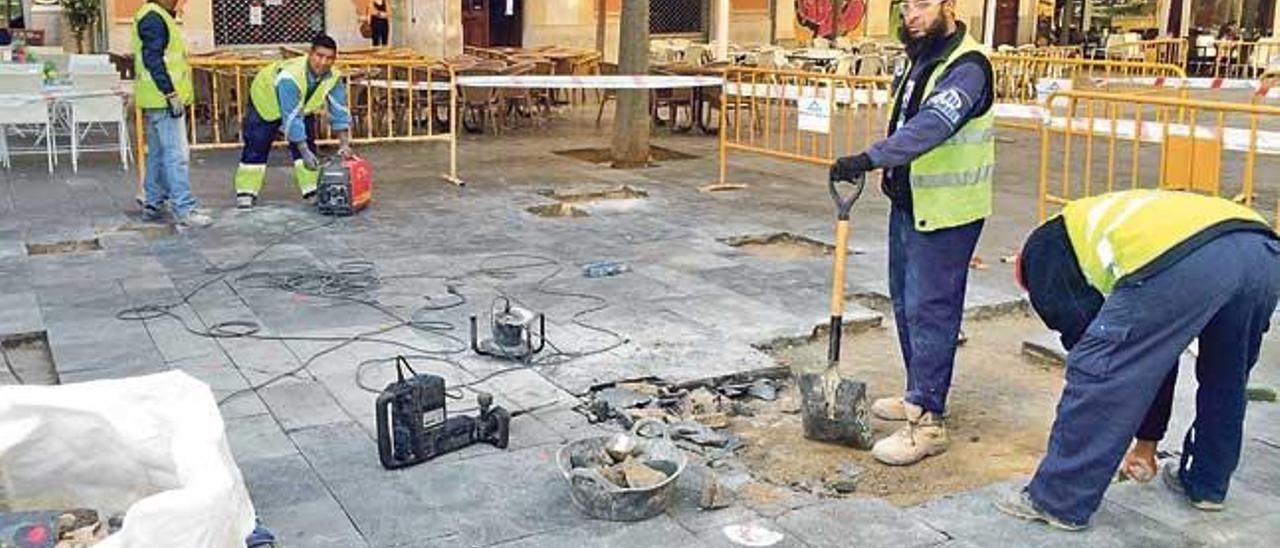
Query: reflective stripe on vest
x=951 y=184
x=263 y=90
x=145 y=91
x=1116 y=234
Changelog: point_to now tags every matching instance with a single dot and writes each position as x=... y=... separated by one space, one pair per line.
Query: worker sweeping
x=1129 y=279
x=285 y=97
x=938 y=163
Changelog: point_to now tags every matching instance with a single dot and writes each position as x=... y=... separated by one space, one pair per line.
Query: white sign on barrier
x=815 y=114
x=1048 y=86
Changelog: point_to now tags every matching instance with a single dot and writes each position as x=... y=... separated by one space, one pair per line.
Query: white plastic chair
x=99 y=110
x=23 y=106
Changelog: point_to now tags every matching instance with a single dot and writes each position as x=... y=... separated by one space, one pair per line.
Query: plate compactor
x=345 y=186
x=834 y=408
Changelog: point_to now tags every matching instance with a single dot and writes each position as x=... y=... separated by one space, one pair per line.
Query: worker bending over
x=284 y=97
x=1129 y=279
x=938 y=162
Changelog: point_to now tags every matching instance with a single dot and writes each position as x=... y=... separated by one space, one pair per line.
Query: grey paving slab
x=20 y=314
x=972 y=517
x=320 y=523
x=758 y=530
x=257 y=437
x=278 y=482
x=1159 y=503
x=857 y=522
x=656 y=532
x=302 y=403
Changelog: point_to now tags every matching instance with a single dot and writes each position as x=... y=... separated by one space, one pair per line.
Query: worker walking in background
x=938 y=162
x=379 y=22
x=284 y=97
x=162 y=89
x=1130 y=279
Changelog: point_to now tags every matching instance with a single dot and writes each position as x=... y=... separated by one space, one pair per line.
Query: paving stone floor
x=690 y=307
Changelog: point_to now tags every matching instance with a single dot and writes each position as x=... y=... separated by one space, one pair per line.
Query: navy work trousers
x=927 y=276
x=1224 y=293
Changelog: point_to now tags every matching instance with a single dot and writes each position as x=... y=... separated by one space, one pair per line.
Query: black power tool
x=413 y=426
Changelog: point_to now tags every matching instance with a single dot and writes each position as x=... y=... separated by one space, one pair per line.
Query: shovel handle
x=844 y=202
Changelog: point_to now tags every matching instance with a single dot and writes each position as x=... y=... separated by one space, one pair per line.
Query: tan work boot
x=924 y=435
x=890 y=409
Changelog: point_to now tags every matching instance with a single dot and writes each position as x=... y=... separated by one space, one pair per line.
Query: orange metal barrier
x=1237 y=59
x=1020 y=78
x=1098 y=142
x=842 y=114
x=392 y=97
x=1171 y=51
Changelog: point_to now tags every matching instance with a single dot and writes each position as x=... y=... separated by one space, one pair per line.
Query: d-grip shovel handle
x=844 y=203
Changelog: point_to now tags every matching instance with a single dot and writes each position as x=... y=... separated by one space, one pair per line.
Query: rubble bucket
x=603 y=499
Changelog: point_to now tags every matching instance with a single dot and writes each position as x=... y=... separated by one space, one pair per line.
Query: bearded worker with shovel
x=938 y=162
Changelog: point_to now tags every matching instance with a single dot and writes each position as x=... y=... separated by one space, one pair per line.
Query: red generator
x=345 y=187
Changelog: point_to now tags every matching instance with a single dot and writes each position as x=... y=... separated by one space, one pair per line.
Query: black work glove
x=848 y=168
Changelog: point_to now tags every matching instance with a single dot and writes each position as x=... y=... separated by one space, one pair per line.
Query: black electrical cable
x=353 y=281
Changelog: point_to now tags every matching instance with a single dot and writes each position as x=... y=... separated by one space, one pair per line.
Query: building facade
x=441 y=27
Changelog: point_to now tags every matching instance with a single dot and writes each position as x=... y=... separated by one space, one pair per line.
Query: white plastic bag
x=152 y=447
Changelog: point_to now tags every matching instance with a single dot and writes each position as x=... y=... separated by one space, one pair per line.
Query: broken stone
x=844 y=486
x=763 y=389
x=1045 y=347
x=613 y=474
x=713 y=420
x=739 y=409
x=700 y=402
x=620 y=447
x=846 y=479
x=714 y=496
x=640 y=476
x=622 y=398
x=1260 y=392
x=733 y=390
x=648 y=413
x=639 y=387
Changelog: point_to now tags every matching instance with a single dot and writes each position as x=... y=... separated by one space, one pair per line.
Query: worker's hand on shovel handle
x=850 y=170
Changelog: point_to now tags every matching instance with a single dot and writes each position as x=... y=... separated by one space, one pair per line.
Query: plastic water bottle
x=602 y=269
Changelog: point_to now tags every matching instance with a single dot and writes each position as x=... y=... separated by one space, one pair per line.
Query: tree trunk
x=631 y=117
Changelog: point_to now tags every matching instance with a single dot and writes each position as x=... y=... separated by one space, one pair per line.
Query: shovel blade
x=834 y=410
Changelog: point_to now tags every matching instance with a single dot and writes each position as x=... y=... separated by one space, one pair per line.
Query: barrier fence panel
x=1171 y=51
x=1094 y=142
x=800 y=116
x=1236 y=59
x=1025 y=79
x=390 y=99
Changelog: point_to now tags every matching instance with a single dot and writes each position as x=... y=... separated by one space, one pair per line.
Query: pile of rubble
x=697 y=417
x=621 y=463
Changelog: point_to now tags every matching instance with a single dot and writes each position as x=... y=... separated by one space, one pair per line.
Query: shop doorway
x=492 y=23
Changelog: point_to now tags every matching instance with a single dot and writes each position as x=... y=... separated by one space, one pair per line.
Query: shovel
x=835 y=409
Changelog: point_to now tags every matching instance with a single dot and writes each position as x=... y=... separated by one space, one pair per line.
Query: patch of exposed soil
x=69 y=246
x=605 y=155
x=781 y=246
x=1001 y=407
